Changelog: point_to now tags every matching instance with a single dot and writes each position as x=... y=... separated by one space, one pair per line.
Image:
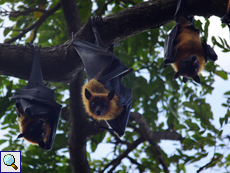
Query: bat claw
x=96 y=21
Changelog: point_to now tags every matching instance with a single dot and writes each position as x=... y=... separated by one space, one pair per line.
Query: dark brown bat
x=104 y=96
x=38 y=113
x=183 y=47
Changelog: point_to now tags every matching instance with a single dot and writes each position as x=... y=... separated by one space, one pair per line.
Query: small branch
x=153 y=137
x=136 y=163
x=128 y=1
x=103 y=9
x=159 y=156
x=118 y=140
x=36 y=24
x=27 y=11
x=117 y=161
x=34 y=34
x=134 y=128
x=209 y=163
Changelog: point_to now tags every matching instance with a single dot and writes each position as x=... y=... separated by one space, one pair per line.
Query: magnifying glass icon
x=9 y=160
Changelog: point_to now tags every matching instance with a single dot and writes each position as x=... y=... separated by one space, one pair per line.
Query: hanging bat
x=38 y=113
x=183 y=47
x=104 y=96
x=226 y=17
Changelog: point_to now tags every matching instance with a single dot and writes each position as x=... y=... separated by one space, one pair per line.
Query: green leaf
x=227 y=93
x=3 y=141
x=179 y=126
x=222 y=74
x=6 y=31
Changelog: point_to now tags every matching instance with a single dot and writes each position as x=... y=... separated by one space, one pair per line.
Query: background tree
x=162 y=109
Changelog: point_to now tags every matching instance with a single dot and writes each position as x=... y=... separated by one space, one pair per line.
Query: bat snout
x=194 y=58
x=99 y=113
x=41 y=121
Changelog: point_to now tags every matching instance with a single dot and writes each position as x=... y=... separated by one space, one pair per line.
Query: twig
x=26 y=12
x=104 y=8
x=34 y=34
x=36 y=24
x=153 y=137
x=209 y=163
x=118 y=140
x=135 y=162
x=117 y=161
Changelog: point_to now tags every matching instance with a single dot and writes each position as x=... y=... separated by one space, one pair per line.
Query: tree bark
x=77 y=138
x=61 y=63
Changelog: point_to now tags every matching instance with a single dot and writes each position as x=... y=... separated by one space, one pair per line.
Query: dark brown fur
x=28 y=127
x=189 y=43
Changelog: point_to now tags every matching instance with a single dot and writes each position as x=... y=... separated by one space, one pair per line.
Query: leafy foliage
x=162 y=101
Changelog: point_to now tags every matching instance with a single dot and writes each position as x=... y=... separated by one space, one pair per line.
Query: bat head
x=99 y=104
x=188 y=67
x=34 y=130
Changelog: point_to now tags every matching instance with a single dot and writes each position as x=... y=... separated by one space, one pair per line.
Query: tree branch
x=117 y=161
x=77 y=138
x=154 y=137
x=79 y=124
x=135 y=162
x=209 y=163
x=26 y=11
x=61 y=63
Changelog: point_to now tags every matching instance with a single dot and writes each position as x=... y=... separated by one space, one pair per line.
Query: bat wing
x=37 y=102
x=169 y=55
x=36 y=99
x=125 y=99
x=210 y=54
x=99 y=62
x=103 y=65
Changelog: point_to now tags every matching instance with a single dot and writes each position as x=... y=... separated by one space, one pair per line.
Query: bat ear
x=111 y=95
x=176 y=75
x=20 y=135
x=185 y=79
x=196 y=79
x=88 y=95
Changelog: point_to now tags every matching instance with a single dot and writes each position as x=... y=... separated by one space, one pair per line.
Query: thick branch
x=60 y=64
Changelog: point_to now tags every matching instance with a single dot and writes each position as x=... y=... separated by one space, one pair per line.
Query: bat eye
x=103 y=103
x=93 y=105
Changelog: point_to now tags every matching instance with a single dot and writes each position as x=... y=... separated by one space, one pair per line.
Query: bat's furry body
x=184 y=48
